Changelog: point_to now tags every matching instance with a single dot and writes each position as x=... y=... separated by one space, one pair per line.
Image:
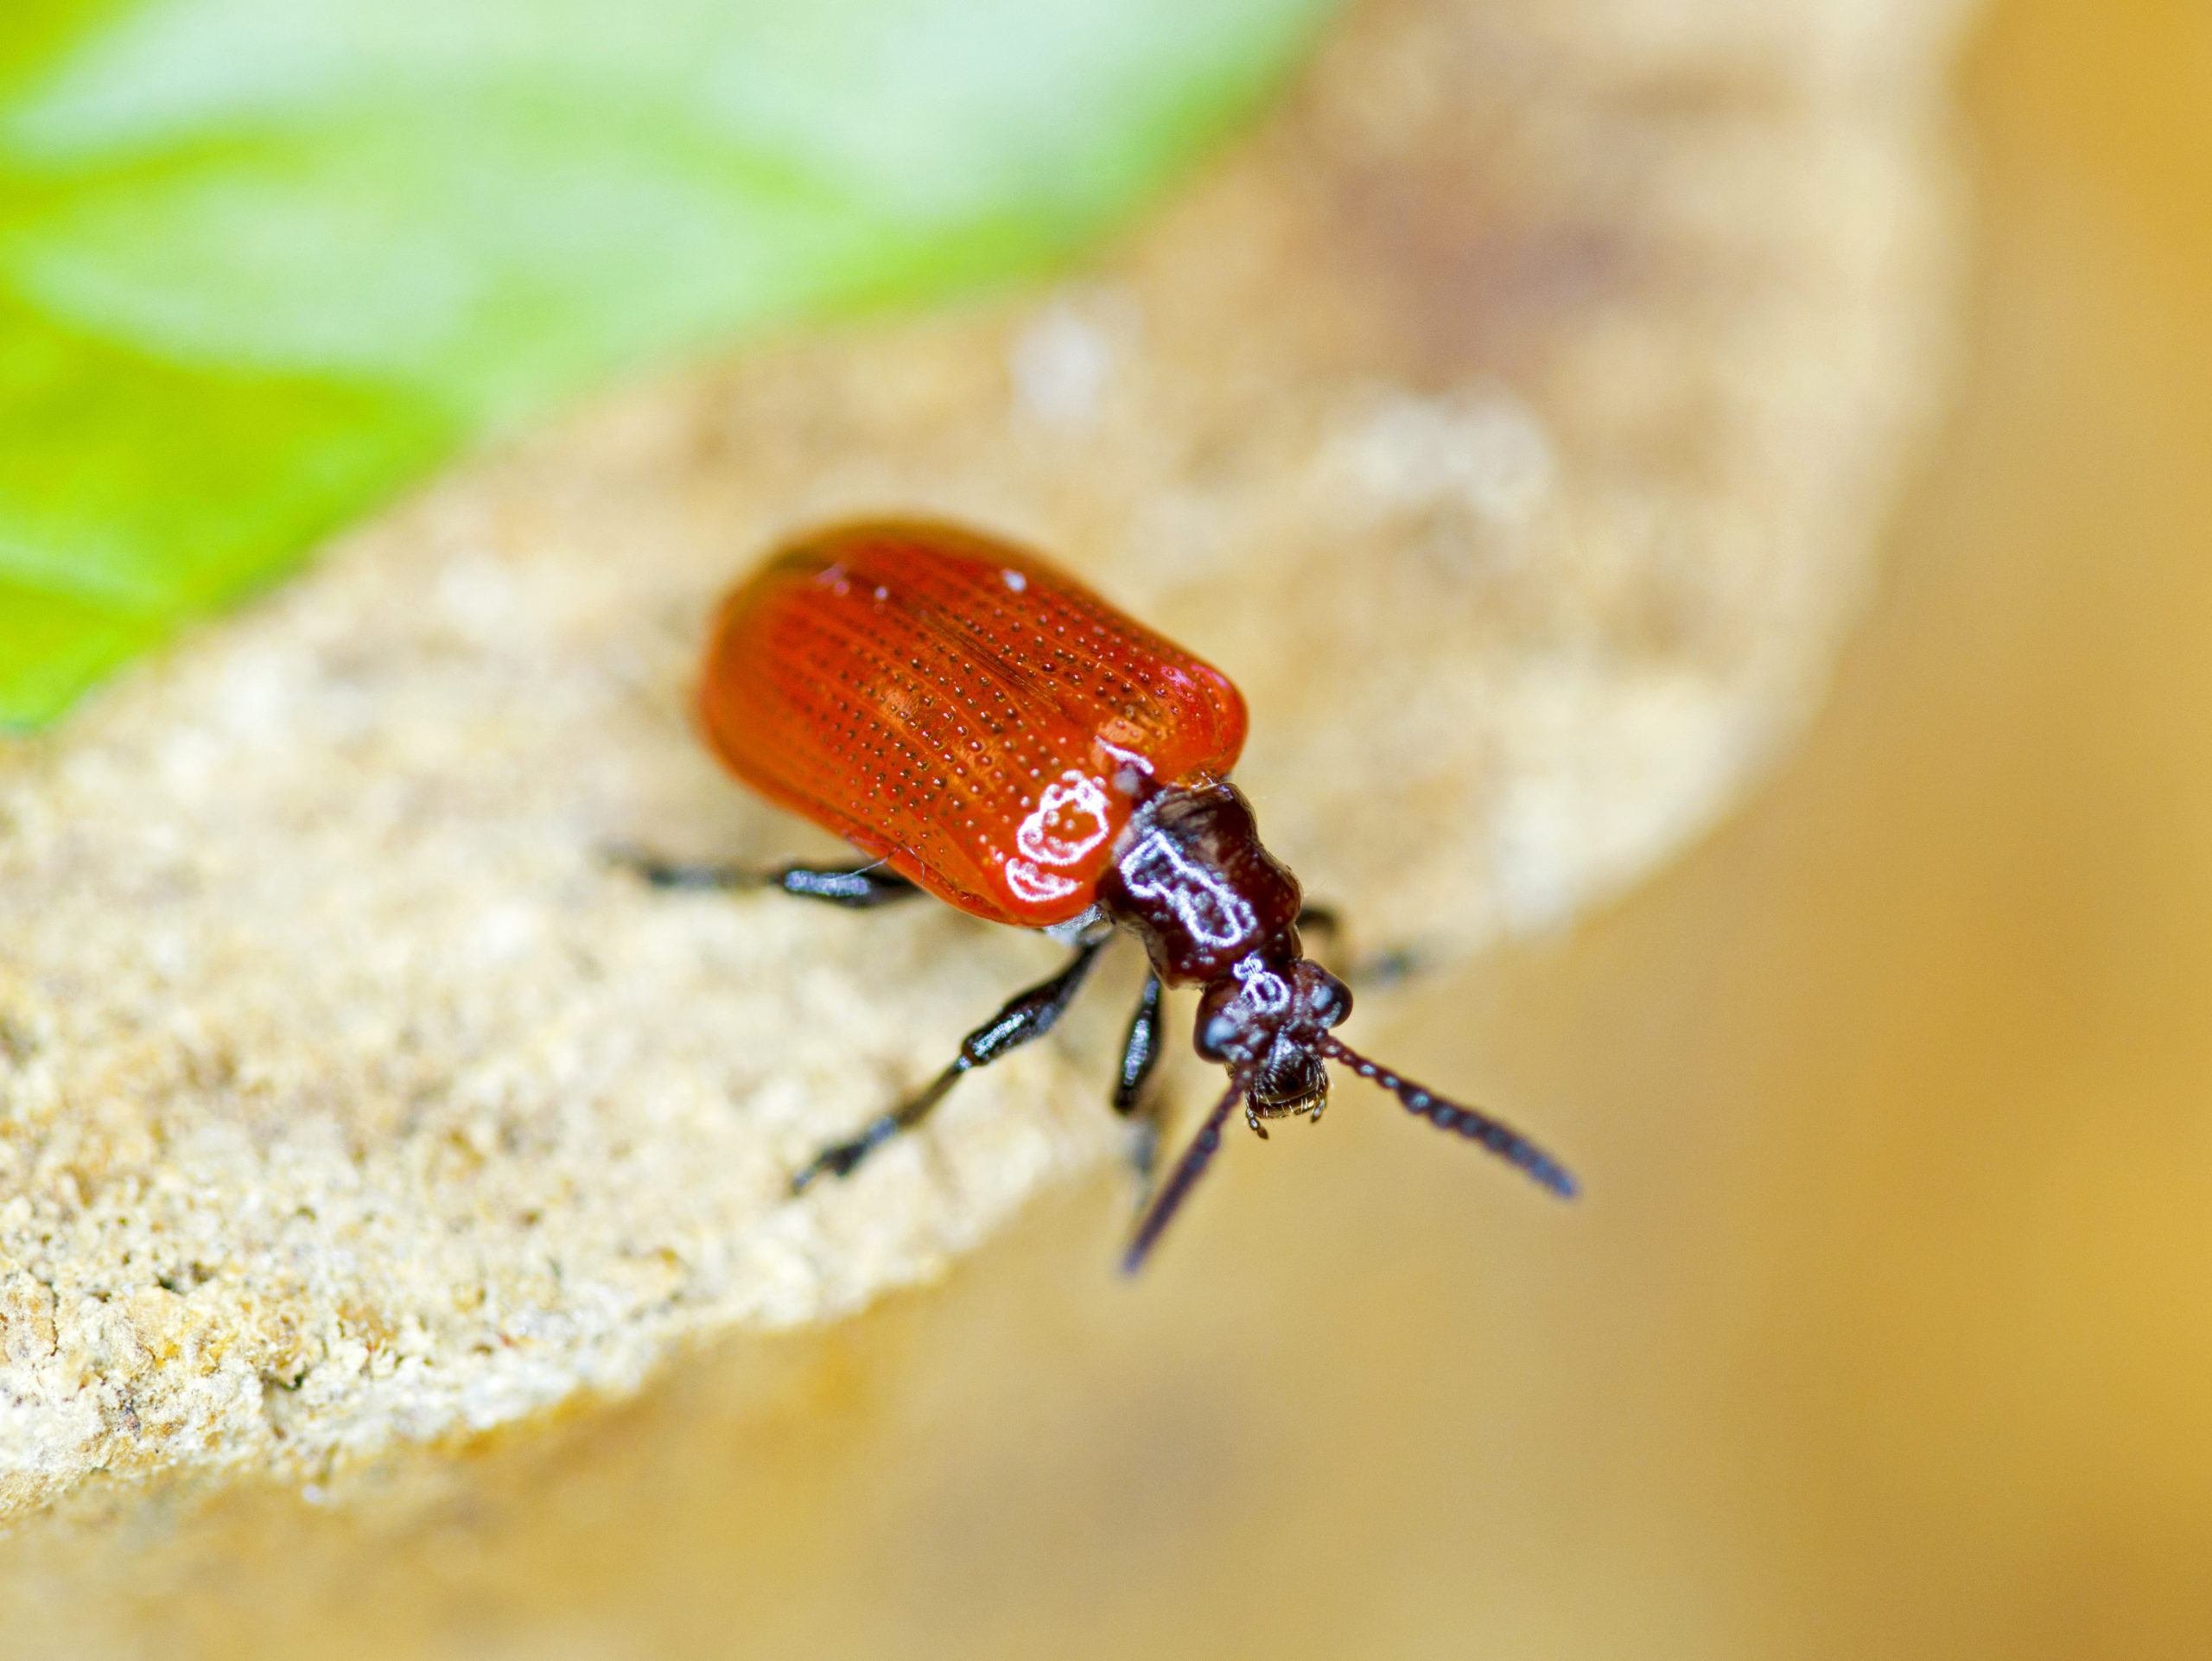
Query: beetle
x=984 y=728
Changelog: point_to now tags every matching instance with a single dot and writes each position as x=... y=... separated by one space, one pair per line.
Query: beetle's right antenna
x=1500 y=1138
x=1177 y=1189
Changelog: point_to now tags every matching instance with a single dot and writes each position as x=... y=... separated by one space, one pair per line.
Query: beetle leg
x=1383 y=969
x=1140 y=1054
x=1140 y=1051
x=1027 y=1016
x=857 y=887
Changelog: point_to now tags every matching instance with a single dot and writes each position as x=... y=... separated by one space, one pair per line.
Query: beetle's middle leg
x=1027 y=1016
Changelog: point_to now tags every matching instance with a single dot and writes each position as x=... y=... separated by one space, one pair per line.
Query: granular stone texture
x=1513 y=416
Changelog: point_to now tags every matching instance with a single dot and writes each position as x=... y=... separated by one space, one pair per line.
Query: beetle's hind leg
x=1027 y=1016
x=1382 y=969
x=857 y=888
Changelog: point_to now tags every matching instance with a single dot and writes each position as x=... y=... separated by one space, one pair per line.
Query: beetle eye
x=1215 y=1038
x=1228 y=1031
x=1327 y=998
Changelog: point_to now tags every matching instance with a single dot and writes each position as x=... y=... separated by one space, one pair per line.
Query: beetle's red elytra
x=986 y=730
x=959 y=710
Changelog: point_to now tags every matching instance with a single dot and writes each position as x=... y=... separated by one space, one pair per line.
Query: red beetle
x=984 y=727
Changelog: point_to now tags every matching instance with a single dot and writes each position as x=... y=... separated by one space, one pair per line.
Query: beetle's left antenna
x=1188 y=1170
x=1499 y=1137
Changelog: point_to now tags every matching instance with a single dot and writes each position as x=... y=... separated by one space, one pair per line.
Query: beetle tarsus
x=839 y=1159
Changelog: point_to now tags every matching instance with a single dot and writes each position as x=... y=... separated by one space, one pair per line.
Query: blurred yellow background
x=1886 y=1327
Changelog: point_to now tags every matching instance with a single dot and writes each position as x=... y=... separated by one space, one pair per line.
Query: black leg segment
x=857 y=887
x=1028 y=1015
x=1141 y=1050
x=1140 y=1054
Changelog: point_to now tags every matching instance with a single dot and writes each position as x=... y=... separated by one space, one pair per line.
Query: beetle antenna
x=1188 y=1170
x=1500 y=1138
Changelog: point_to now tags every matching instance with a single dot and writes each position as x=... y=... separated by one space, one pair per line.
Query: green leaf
x=264 y=261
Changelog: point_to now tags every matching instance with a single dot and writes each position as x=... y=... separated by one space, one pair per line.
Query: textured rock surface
x=1512 y=417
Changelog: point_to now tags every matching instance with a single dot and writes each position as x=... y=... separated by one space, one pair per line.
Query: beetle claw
x=837 y=1160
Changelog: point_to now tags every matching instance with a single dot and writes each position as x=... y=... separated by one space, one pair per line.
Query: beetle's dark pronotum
x=985 y=729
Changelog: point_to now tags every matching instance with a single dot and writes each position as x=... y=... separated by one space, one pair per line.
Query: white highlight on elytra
x=1069 y=820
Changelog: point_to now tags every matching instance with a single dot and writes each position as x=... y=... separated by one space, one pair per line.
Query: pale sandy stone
x=1514 y=416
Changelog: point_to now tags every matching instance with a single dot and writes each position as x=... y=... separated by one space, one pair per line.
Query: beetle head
x=1268 y=1021
x=1264 y=1021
